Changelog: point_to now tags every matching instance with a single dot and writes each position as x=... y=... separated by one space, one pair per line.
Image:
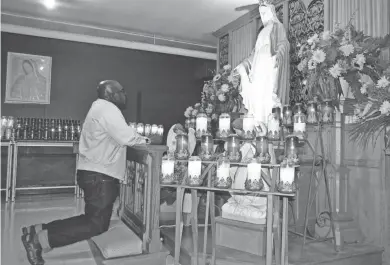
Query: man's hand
x=144 y=140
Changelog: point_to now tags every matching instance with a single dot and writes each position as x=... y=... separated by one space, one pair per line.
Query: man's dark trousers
x=100 y=193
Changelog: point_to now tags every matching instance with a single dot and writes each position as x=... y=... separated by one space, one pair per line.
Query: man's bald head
x=113 y=92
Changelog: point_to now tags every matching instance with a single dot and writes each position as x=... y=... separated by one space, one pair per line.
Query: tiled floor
x=38 y=209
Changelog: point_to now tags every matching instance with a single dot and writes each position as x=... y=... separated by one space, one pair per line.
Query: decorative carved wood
x=223 y=51
x=303 y=23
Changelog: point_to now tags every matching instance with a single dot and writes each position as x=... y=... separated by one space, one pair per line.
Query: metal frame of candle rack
x=276 y=231
x=310 y=199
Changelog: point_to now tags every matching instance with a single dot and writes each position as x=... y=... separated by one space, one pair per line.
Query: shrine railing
x=140 y=194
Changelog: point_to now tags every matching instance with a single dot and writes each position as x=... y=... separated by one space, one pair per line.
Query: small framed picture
x=28 y=79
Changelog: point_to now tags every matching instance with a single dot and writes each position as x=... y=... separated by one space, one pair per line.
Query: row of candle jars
x=223 y=179
x=233 y=146
x=315 y=112
x=147 y=129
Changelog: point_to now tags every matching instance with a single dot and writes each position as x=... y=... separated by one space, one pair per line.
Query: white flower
x=230 y=78
x=194 y=112
x=190 y=109
x=217 y=77
x=313 y=39
x=225 y=88
x=335 y=70
x=302 y=65
x=319 y=56
x=187 y=114
x=304 y=82
x=360 y=58
x=385 y=108
x=326 y=35
x=221 y=97
x=383 y=82
x=214 y=116
x=347 y=49
x=363 y=89
x=227 y=67
x=311 y=64
x=197 y=105
x=359 y=61
x=212 y=97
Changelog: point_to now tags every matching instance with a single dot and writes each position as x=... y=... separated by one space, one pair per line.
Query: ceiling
x=190 y=21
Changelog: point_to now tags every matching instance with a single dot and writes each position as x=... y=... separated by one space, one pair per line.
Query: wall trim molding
x=105 y=41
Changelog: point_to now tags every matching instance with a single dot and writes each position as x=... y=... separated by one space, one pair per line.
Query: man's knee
x=99 y=226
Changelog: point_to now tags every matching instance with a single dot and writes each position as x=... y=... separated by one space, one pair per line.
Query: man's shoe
x=29 y=230
x=33 y=249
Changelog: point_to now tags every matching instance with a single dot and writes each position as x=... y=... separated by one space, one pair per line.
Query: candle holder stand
x=323 y=158
x=223 y=134
x=167 y=179
x=194 y=181
x=254 y=185
x=287 y=187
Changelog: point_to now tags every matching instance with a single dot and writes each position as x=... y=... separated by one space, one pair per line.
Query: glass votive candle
x=10 y=122
x=327 y=112
x=248 y=127
x=298 y=108
x=140 y=128
x=253 y=181
x=194 y=171
x=300 y=125
x=207 y=147
x=187 y=124
x=193 y=122
x=148 y=129
x=291 y=150
x=223 y=180
x=312 y=112
x=201 y=124
x=154 y=129
x=224 y=125
x=287 y=180
x=167 y=170
x=160 y=130
x=274 y=127
x=262 y=152
x=233 y=152
x=287 y=116
x=4 y=124
x=181 y=151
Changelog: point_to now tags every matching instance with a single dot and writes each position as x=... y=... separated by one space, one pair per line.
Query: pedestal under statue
x=264 y=83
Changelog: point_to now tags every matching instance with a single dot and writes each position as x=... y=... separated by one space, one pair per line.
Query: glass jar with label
x=223 y=179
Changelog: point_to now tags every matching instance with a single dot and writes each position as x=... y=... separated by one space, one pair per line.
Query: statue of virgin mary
x=265 y=73
x=264 y=84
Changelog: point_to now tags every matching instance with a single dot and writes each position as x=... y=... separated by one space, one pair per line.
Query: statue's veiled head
x=267 y=11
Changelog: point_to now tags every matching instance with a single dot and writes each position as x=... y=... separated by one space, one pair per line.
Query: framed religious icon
x=28 y=79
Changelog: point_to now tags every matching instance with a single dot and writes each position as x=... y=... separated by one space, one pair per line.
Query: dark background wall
x=168 y=83
x=159 y=86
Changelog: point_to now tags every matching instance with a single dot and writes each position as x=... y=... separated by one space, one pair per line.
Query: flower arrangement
x=333 y=62
x=374 y=110
x=220 y=95
x=347 y=62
